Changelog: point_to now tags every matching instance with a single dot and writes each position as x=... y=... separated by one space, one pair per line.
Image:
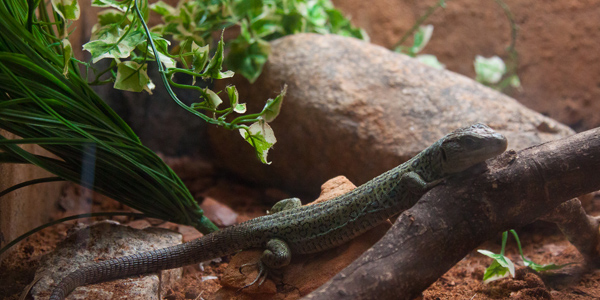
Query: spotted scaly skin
x=293 y=229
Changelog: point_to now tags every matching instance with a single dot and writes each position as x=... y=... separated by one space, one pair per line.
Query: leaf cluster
x=122 y=35
x=256 y=21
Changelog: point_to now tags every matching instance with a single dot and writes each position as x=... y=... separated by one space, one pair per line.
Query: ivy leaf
x=199 y=57
x=213 y=70
x=111 y=17
x=248 y=7
x=67 y=9
x=120 y=5
x=163 y=8
x=494 y=272
x=273 y=106
x=431 y=61
x=489 y=70
x=421 y=38
x=106 y=44
x=316 y=15
x=248 y=59
x=162 y=47
x=499 y=267
x=131 y=76
x=261 y=137
x=541 y=268
x=67 y=52
x=292 y=22
x=232 y=92
x=211 y=100
x=514 y=81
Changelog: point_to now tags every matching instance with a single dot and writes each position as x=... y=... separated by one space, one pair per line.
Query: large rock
x=101 y=241
x=357 y=109
x=557 y=44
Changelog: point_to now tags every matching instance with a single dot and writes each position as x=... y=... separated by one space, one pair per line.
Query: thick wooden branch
x=453 y=219
x=579 y=228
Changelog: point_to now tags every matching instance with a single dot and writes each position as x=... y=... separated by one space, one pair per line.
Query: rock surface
x=357 y=109
x=306 y=272
x=557 y=44
x=102 y=241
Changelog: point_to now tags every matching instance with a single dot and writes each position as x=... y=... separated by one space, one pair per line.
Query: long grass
x=91 y=145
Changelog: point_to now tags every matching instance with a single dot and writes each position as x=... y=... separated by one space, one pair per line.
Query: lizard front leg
x=416 y=184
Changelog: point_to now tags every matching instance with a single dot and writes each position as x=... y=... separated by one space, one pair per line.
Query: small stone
x=139 y=224
x=189 y=233
x=334 y=187
x=217 y=212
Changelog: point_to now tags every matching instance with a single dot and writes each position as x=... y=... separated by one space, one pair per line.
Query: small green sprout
x=502 y=266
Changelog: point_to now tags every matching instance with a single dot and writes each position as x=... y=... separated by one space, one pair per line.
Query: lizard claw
x=262 y=272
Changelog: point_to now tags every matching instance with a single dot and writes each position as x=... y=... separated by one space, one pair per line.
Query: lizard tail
x=140 y=263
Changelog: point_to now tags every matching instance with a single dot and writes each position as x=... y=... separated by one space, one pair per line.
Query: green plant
x=123 y=36
x=45 y=101
x=502 y=266
x=258 y=22
x=422 y=35
x=492 y=71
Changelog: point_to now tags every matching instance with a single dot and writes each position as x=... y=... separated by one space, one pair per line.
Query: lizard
x=291 y=228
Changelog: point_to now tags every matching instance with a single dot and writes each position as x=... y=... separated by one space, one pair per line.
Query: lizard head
x=469 y=146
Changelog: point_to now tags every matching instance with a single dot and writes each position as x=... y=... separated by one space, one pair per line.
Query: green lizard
x=294 y=229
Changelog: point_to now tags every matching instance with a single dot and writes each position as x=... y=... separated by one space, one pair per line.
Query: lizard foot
x=263 y=273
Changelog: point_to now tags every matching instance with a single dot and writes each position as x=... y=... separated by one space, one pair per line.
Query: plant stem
x=411 y=31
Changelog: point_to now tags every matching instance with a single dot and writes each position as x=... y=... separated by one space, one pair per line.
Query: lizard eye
x=469 y=142
x=444 y=158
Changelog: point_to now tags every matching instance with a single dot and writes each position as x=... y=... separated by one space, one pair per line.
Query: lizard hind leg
x=277 y=255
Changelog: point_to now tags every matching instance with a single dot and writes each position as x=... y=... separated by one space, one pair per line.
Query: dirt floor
x=542 y=243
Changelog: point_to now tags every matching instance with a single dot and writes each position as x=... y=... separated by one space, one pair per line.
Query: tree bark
x=579 y=228
x=453 y=219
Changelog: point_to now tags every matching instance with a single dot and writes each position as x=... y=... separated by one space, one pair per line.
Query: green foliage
x=66 y=9
x=259 y=21
x=45 y=101
x=492 y=72
x=123 y=36
x=502 y=266
x=192 y=22
x=421 y=37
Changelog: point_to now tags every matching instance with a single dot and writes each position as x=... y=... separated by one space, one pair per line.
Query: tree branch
x=453 y=219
